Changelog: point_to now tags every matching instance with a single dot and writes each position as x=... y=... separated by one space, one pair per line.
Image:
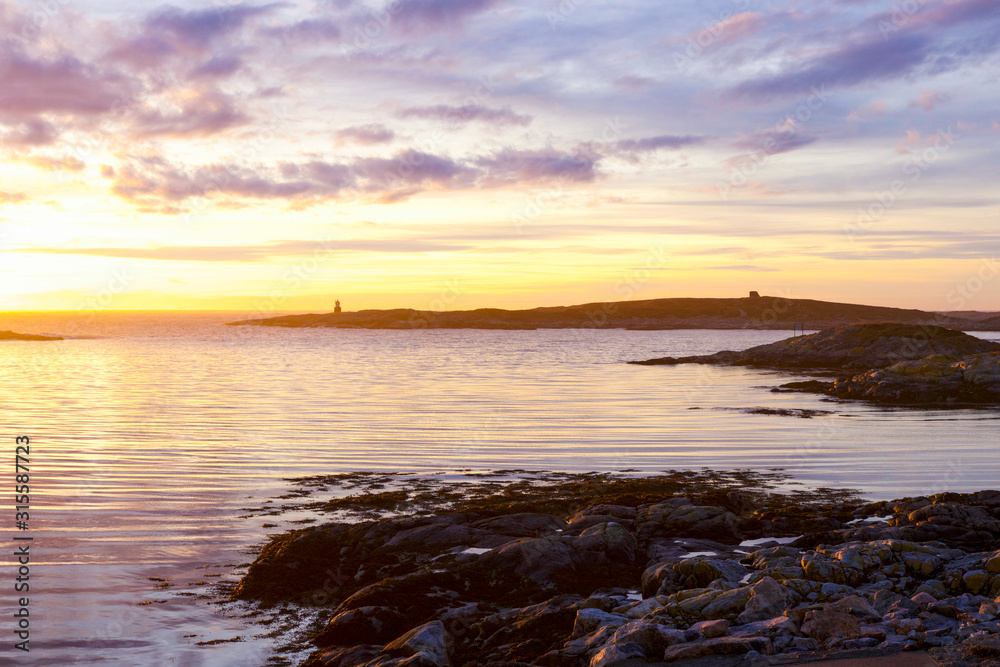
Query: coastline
x=597 y=569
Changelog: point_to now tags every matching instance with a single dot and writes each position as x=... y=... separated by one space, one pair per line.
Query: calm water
x=150 y=431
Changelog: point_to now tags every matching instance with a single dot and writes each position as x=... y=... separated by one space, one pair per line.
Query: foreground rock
x=645 y=583
x=11 y=335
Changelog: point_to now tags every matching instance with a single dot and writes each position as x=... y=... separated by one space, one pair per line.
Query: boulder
x=429 y=639
x=767 y=599
x=719 y=646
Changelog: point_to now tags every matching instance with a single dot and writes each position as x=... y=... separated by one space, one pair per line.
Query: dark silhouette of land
x=759 y=312
x=11 y=335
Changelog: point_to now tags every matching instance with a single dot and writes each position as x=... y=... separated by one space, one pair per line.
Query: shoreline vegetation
x=754 y=312
x=899 y=364
x=691 y=567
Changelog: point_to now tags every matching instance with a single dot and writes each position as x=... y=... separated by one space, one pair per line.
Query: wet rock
x=363 y=625
x=428 y=640
x=522 y=525
x=652 y=637
x=719 y=646
x=589 y=620
x=618 y=655
x=669 y=519
x=769 y=628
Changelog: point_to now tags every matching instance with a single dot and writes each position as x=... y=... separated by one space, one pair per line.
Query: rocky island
x=753 y=312
x=687 y=568
x=11 y=335
x=893 y=363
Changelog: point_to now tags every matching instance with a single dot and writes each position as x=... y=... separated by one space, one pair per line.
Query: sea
x=150 y=433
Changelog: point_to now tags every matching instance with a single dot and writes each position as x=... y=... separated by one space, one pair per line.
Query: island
x=11 y=335
x=893 y=363
x=752 y=312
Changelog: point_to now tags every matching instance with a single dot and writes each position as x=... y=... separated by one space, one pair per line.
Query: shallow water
x=151 y=431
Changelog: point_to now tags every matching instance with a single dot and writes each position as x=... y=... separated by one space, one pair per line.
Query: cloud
x=154 y=183
x=252 y=253
x=510 y=167
x=739 y=267
x=32 y=132
x=868 y=111
x=928 y=100
x=61 y=85
x=648 y=144
x=208 y=113
x=781 y=139
x=218 y=67
x=12 y=197
x=733 y=29
x=466 y=114
x=318 y=30
x=200 y=28
x=414 y=14
x=366 y=135
x=873 y=60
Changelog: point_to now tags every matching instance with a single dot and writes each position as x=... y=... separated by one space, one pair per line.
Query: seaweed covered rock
x=939 y=379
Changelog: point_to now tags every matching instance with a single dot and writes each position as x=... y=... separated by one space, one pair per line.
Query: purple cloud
x=648 y=144
x=63 y=85
x=782 y=139
x=529 y=167
x=218 y=67
x=209 y=113
x=33 y=132
x=857 y=63
x=366 y=135
x=440 y=13
x=199 y=28
x=465 y=114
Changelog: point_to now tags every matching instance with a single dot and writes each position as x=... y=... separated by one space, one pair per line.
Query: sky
x=455 y=154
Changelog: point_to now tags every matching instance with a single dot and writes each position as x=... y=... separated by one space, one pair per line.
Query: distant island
x=11 y=335
x=752 y=312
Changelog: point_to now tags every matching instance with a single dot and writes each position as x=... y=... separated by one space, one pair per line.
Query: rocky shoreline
x=898 y=364
x=612 y=570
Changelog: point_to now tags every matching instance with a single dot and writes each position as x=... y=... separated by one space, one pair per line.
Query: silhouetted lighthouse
x=336 y=306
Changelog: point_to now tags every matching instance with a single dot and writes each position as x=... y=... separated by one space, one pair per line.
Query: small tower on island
x=336 y=306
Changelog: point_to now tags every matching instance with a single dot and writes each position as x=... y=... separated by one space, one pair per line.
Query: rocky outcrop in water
x=858 y=346
x=668 y=580
x=901 y=364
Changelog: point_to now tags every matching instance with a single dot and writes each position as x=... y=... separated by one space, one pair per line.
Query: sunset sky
x=453 y=154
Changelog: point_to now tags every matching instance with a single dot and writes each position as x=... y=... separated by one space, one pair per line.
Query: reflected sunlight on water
x=150 y=431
